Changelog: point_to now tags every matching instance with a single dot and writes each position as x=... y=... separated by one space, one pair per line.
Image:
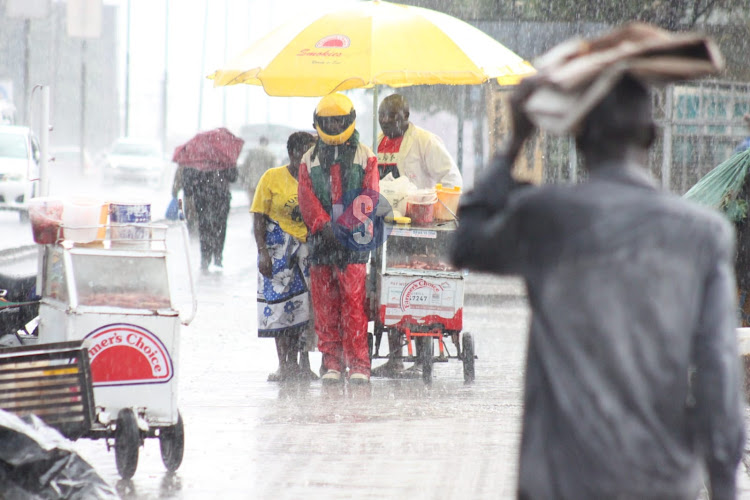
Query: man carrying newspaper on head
x=632 y=385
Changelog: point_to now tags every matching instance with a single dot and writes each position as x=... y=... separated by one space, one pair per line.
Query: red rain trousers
x=340 y=318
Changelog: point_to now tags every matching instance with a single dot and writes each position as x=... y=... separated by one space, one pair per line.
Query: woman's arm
x=265 y=264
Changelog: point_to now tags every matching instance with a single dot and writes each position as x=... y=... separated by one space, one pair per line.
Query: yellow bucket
x=447 y=202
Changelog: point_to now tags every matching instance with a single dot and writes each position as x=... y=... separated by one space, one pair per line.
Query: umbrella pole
x=375 y=119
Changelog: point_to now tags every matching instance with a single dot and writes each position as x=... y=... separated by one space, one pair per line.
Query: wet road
x=248 y=438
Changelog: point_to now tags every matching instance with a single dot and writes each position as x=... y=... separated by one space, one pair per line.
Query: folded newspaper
x=578 y=73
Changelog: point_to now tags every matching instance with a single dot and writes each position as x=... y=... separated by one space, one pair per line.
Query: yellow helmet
x=334 y=119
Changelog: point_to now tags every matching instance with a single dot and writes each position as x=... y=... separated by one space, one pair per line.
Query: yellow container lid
x=440 y=187
x=402 y=220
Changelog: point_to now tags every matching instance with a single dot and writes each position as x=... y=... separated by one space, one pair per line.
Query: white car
x=135 y=160
x=19 y=168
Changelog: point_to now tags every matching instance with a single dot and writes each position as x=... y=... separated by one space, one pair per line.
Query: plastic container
x=448 y=199
x=125 y=219
x=45 y=214
x=420 y=207
x=81 y=219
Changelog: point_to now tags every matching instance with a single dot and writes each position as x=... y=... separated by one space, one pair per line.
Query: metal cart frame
x=422 y=305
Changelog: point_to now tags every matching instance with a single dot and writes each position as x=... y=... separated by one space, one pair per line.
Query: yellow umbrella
x=372 y=43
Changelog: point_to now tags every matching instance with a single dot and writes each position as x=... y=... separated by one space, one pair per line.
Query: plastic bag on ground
x=37 y=462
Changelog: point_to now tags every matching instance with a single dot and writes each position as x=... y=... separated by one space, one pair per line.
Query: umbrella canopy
x=372 y=43
x=216 y=149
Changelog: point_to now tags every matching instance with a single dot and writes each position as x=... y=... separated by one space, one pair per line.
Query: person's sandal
x=331 y=377
x=359 y=379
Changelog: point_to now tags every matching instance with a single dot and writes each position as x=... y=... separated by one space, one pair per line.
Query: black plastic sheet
x=37 y=462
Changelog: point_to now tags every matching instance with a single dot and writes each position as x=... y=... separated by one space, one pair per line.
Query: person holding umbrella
x=338 y=182
x=210 y=159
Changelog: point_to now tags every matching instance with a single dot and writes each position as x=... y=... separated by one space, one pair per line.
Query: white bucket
x=81 y=218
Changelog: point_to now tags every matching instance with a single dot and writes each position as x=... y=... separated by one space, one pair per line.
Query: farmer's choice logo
x=420 y=293
x=125 y=354
x=328 y=47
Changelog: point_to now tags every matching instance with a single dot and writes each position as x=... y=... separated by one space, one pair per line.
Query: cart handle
x=448 y=209
x=194 y=304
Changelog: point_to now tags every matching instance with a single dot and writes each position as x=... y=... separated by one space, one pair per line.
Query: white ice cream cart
x=123 y=299
x=420 y=296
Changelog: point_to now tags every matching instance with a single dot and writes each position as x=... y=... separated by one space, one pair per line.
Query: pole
x=226 y=50
x=460 y=142
x=127 y=74
x=44 y=144
x=572 y=160
x=165 y=88
x=82 y=137
x=26 y=66
x=666 y=159
x=43 y=172
x=375 y=119
x=247 y=42
x=203 y=65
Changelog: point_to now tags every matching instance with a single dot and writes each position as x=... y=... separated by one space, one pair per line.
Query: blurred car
x=19 y=168
x=135 y=160
x=70 y=160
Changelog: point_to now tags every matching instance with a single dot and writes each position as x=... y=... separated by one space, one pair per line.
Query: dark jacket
x=631 y=289
x=208 y=184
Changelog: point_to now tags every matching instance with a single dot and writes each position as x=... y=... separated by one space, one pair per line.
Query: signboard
x=421 y=300
x=127 y=354
x=84 y=18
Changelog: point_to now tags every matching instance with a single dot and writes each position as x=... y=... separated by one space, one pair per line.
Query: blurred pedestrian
x=335 y=174
x=283 y=279
x=258 y=160
x=409 y=150
x=632 y=383
x=212 y=197
x=210 y=159
x=188 y=204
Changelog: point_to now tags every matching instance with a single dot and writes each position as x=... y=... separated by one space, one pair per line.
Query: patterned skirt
x=284 y=299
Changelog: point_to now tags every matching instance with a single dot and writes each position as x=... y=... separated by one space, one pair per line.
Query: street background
x=247 y=438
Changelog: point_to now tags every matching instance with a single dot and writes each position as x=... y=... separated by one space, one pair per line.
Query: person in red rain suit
x=338 y=186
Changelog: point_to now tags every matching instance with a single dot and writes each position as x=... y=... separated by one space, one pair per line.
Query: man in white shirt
x=405 y=149
x=411 y=151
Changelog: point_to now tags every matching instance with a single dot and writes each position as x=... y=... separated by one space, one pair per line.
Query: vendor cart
x=121 y=298
x=420 y=296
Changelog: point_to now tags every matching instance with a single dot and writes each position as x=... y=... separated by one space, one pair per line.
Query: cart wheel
x=467 y=343
x=127 y=441
x=172 y=444
x=425 y=350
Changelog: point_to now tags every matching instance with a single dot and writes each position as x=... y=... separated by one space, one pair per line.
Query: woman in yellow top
x=283 y=291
